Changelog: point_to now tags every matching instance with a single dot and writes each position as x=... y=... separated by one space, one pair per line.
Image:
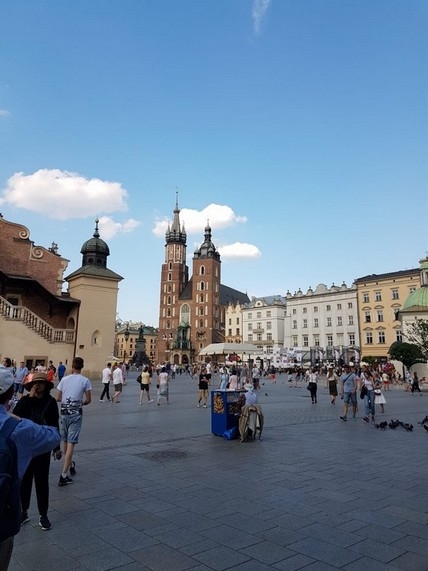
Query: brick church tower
x=191 y=310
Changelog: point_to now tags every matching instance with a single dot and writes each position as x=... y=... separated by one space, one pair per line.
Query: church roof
x=96 y=272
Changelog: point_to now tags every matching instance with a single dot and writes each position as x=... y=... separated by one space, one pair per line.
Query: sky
x=297 y=128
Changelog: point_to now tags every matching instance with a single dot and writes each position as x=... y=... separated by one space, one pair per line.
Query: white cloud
x=239 y=250
x=109 y=228
x=217 y=215
x=62 y=195
x=4 y=113
x=260 y=8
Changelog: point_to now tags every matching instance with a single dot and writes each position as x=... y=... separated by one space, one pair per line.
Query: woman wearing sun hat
x=40 y=407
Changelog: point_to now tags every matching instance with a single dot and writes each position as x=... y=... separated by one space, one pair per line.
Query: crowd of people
x=25 y=395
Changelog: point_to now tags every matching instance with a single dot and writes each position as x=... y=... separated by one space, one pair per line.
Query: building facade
x=38 y=321
x=380 y=298
x=192 y=310
x=263 y=324
x=321 y=325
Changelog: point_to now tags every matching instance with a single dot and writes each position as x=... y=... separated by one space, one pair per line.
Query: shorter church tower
x=206 y=294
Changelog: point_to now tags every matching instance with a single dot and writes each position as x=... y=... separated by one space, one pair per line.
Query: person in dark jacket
x=40 y=407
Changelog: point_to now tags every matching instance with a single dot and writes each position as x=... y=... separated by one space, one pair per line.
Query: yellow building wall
x=96 y=324
x=380 y=298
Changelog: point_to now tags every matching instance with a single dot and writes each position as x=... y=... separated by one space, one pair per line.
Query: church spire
x=176 y=232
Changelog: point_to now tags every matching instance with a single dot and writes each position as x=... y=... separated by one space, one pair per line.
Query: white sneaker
x=198 y=405
x=205 y=406
x=151 y=400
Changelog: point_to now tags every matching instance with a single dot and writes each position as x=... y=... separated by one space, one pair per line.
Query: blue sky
x=298 y=128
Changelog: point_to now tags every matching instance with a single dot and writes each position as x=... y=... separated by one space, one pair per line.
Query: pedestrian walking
x=163 y=386
x=74 y=392
x=106 y=377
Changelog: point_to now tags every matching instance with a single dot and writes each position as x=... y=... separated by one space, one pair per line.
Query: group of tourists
x=36 y=427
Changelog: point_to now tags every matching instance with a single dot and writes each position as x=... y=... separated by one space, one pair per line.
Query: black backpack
x=10 y=484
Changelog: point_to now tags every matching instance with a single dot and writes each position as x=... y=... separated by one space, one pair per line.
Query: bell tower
x=174 y=277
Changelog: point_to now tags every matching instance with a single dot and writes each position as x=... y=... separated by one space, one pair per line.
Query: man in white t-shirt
x=117 y=382
x=105 y=379
x=74 y=392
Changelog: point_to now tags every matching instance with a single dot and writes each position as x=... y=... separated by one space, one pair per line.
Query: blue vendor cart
x=225 y=410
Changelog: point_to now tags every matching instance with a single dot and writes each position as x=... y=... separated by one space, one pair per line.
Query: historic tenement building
x=380 y=299
x=41 y=322
x=192 y=309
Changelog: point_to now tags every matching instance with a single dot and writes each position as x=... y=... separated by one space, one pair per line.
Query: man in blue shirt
x=350 y=383
x=20 y=374
x=30 y=439
x=61 y=370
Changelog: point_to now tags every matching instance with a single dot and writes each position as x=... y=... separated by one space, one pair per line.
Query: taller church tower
x=174 y=277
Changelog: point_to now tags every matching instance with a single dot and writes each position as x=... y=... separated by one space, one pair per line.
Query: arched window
x=185 y=313
x=202 y=286
x=202 y=270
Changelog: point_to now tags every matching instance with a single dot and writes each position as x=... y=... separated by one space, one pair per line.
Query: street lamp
x=126 y=336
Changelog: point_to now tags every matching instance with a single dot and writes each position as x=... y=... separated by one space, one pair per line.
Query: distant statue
x=140 y=333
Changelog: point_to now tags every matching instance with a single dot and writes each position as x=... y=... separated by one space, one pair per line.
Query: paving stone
x=166 y=494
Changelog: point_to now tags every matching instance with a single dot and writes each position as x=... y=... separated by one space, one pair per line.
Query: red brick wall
x=19 y=256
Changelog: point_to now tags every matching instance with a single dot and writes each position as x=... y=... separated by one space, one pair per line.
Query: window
x=294 y=324
x=412 y=289
x=328 y=321
x=316 y=322
x=294 y=341
x=350 y=320
x=349 y=304
x=369 y=338
x=250 y=316
x=316 y=340
x=238 y=331
x=315 y=309
x=339 y=321
x=258 y=337
x=230 y=321
x=268 y=324
x=230 y=332
x=379 y=315
x=305 y=341
x=328 y=308
x=250 y=337
x=399 y=335
x=381 y=336
x=237 y=321
x=378 y=295
x=352 y=339
x=367 y=317
x=366 y=298
x=330 y=340
x=259 y=324
x=305 y=310
x=305 y=324
x=268 y=314
x=395 y=294
x=339 y=306
x=250 y=327
x=269 y=336
x=259 y=315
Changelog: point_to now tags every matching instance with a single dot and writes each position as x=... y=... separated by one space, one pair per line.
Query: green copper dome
x=417 y=300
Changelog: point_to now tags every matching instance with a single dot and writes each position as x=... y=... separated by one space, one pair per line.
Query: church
x=191 y=309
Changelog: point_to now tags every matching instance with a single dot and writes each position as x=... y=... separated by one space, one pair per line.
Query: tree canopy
x=408 y=353
x=417 y=333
